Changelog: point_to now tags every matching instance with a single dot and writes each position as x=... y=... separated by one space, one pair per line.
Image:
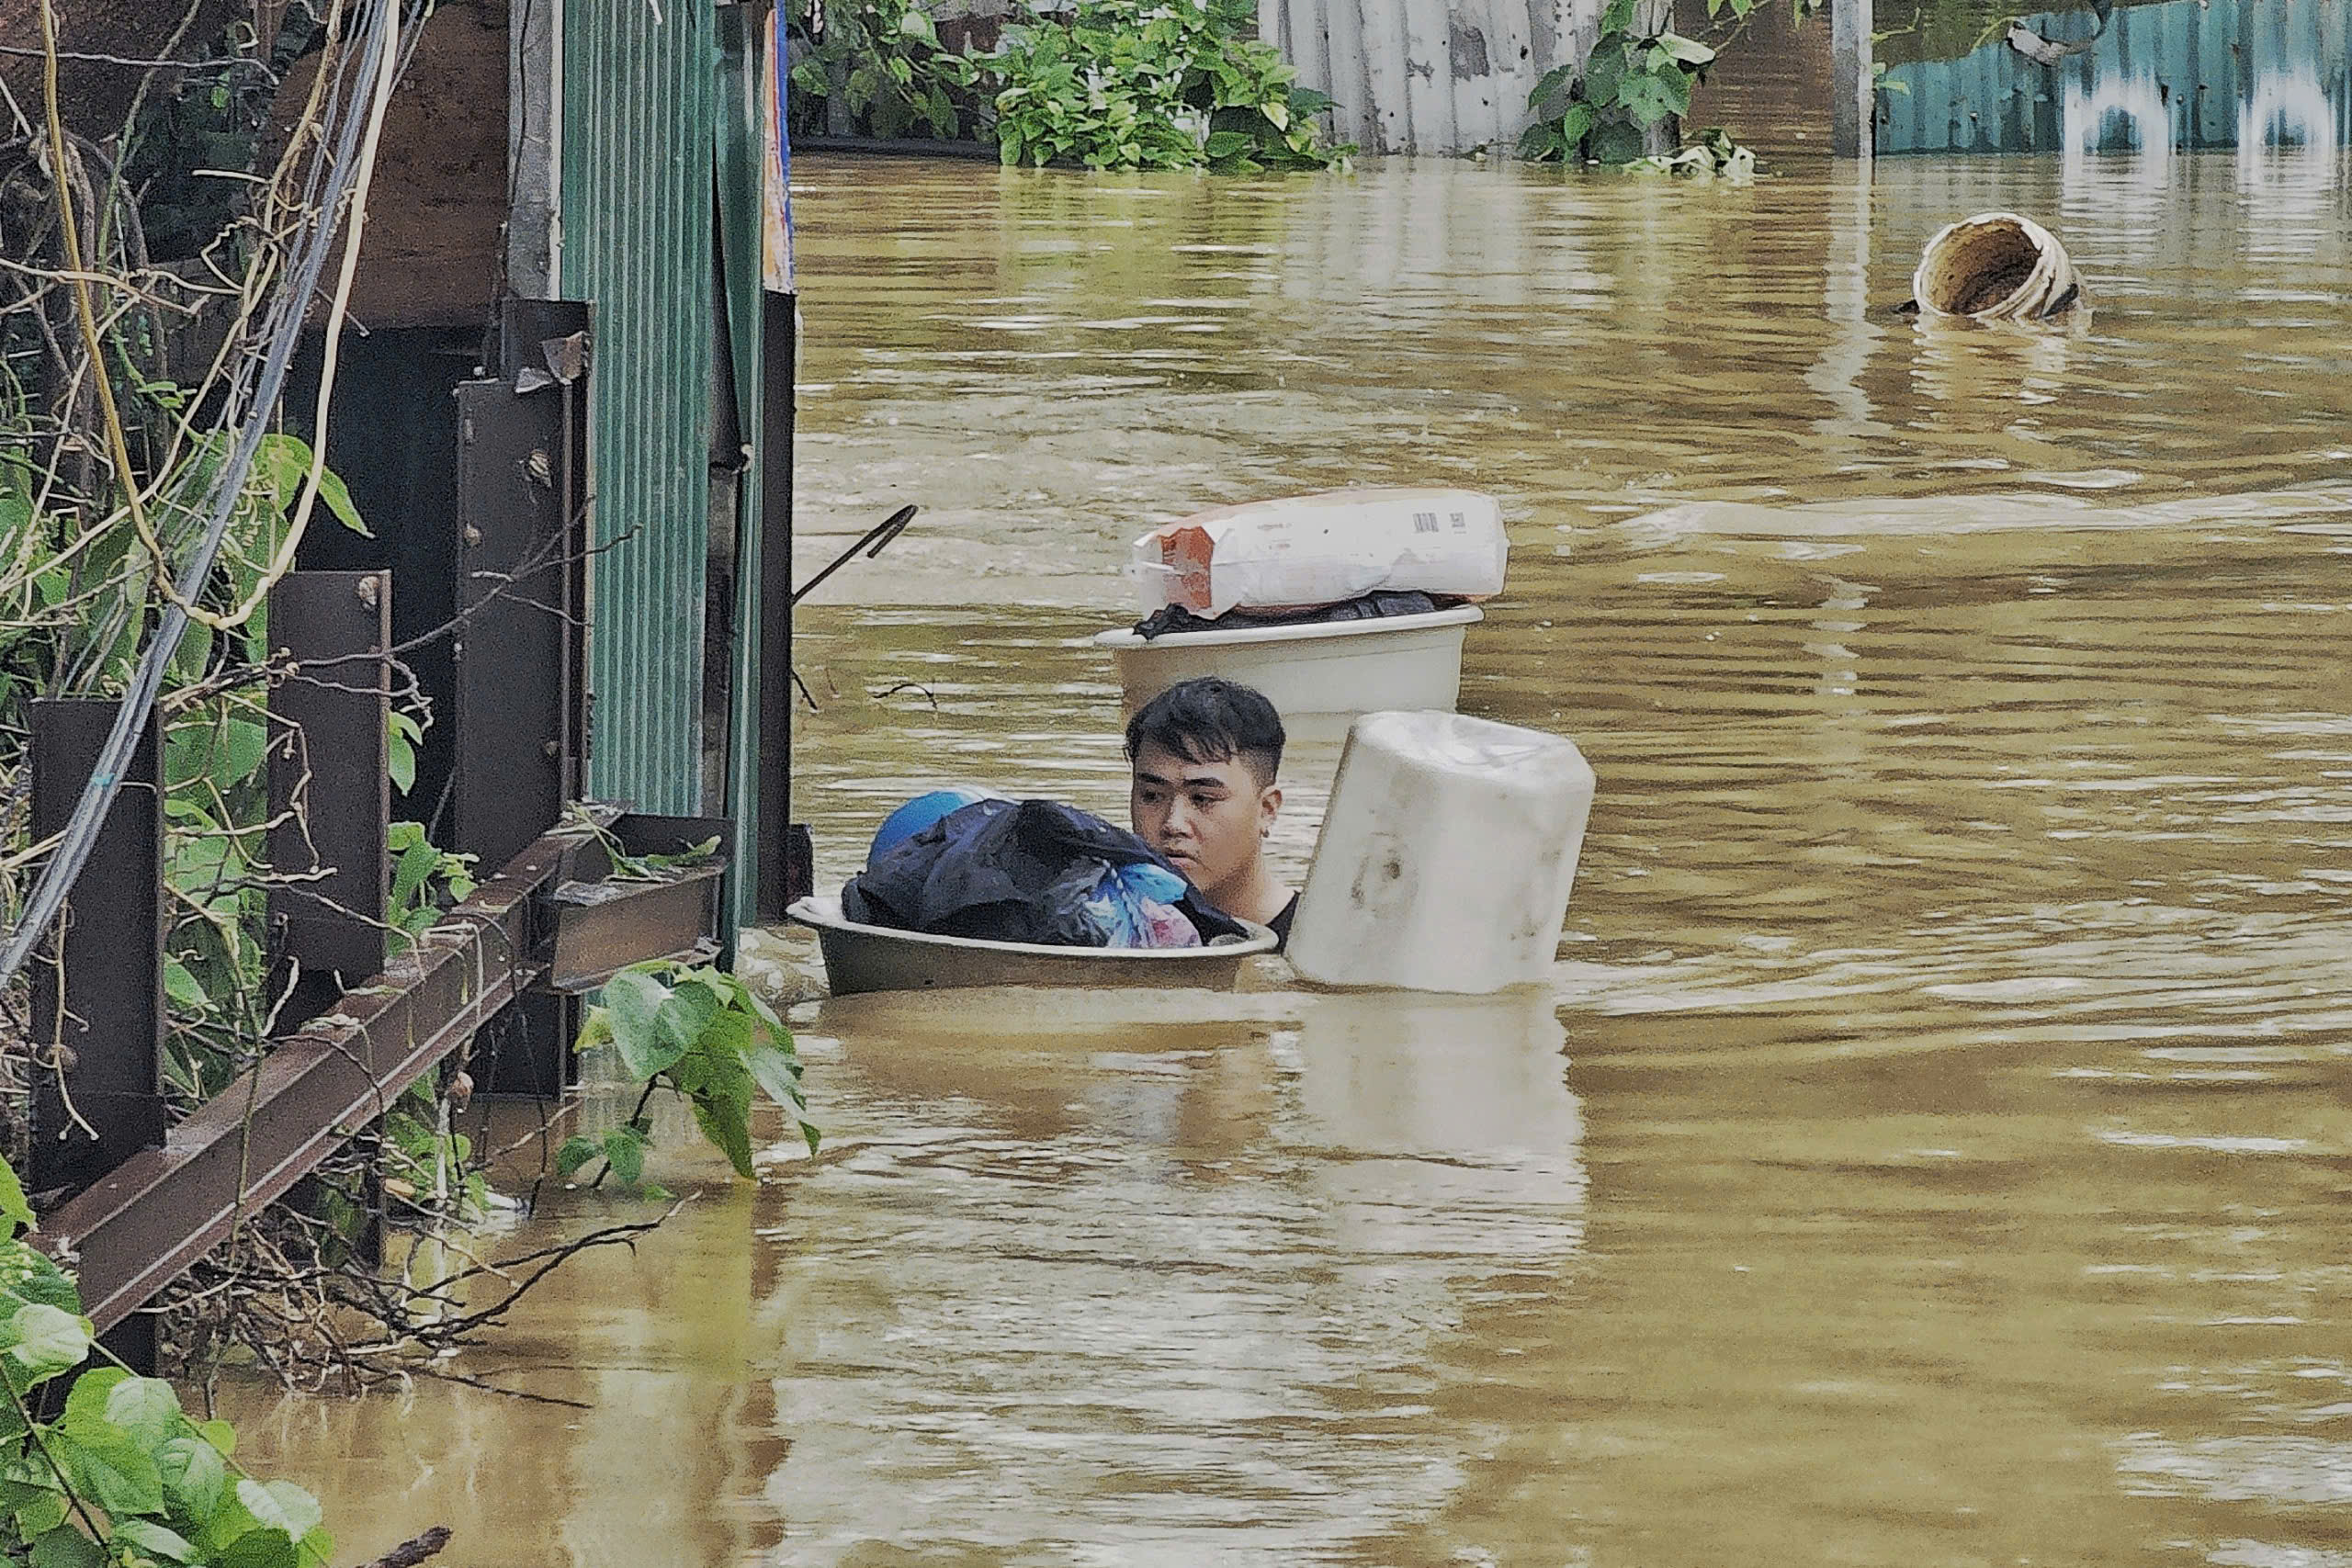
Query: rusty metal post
x=330 y=788
x=778 y=875
x=98 y=992
x=1853 y=87
x=517 y=708
x=330 y=797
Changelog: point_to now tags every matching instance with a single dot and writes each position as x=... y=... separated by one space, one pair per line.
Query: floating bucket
x=1996 y=267
x=1446 y=856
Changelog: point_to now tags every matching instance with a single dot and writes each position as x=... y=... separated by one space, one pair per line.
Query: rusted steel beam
x=330 y=791
x=149 y=1220
x=602 y=925
x=107 y=1104
x=779 y=883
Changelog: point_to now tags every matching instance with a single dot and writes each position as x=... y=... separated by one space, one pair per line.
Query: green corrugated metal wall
x=640 y=89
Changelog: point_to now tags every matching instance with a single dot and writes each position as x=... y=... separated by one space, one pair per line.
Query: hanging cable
x=353 y=157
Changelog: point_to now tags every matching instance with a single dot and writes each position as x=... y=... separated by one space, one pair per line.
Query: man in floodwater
x=1204 y=755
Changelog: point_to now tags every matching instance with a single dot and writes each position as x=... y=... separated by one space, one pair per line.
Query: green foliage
x=1152 y=84
x=885 y=58
x=214 y=123
x=427 y=1166
x=1629 y=84
x=703 y=1034
x=122 y=1477
x=422 y=876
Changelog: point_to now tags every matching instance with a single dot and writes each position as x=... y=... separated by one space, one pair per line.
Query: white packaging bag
x=1320 y=549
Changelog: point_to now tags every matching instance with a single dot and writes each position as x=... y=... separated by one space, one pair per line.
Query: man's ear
x=1269 y=801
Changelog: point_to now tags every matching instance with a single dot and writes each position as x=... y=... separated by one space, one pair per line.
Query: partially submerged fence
x=369 y=1007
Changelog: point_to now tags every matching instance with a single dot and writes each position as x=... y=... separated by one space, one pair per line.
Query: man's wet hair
x=1210 y=720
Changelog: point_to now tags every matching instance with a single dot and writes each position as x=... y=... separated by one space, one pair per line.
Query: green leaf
x=42 y=1514
x=45 y=1340
x=1644 y=98
x=723 y=1110
x=108 y=1467
x=1575 y=126
x=86 y=1405
x=337 y=496
x=1554 y=81
x=181 y=985
x=633 y=1003
x=778 y=1075
x=574 y=1152
x=193 y=1474
x=400 y=760
x=625 y=1151
x=259 y=1549
x=280 y=1505
x=1604 y=73
x=65 y=1547
x=155 y=1541
x=237 y=754
x=1689 y=51
x=415 y=869
x=1616 y=141
x=14 y=1494
x=147 y=1409
x=220 y=1436
x=15 y=1214
x=26 y=1276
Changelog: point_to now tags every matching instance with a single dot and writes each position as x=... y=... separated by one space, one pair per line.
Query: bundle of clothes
x=1377 y=607
x=1032 y=870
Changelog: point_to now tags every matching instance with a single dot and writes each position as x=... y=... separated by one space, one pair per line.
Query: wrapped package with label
x=1319 y=549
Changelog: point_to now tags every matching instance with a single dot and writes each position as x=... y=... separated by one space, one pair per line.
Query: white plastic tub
x=860 y=958
x=1319 y=669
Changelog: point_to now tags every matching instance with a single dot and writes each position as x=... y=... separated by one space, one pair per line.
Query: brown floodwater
x=1936 y=1147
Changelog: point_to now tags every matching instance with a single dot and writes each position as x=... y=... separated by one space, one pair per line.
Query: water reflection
x=1175 y=1284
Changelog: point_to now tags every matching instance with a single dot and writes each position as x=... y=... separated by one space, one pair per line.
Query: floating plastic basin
x=1319 y=669
x=861 y=958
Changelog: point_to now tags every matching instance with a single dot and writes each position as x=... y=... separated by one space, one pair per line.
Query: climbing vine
x=1152 y=84
x=883 y=62
x=1605 y=109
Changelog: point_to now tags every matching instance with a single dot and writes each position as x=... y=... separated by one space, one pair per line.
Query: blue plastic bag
x=1136 y=907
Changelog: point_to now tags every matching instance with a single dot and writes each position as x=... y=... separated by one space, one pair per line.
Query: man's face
x=1209 y=818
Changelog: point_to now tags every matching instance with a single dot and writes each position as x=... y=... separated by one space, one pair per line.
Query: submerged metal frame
x=153 y=1217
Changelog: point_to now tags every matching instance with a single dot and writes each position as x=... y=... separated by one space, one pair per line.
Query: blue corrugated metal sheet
x=640 y=85
x=2193 y=68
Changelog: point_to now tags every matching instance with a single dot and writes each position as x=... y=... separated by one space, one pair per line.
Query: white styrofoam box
x=1446 y=856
